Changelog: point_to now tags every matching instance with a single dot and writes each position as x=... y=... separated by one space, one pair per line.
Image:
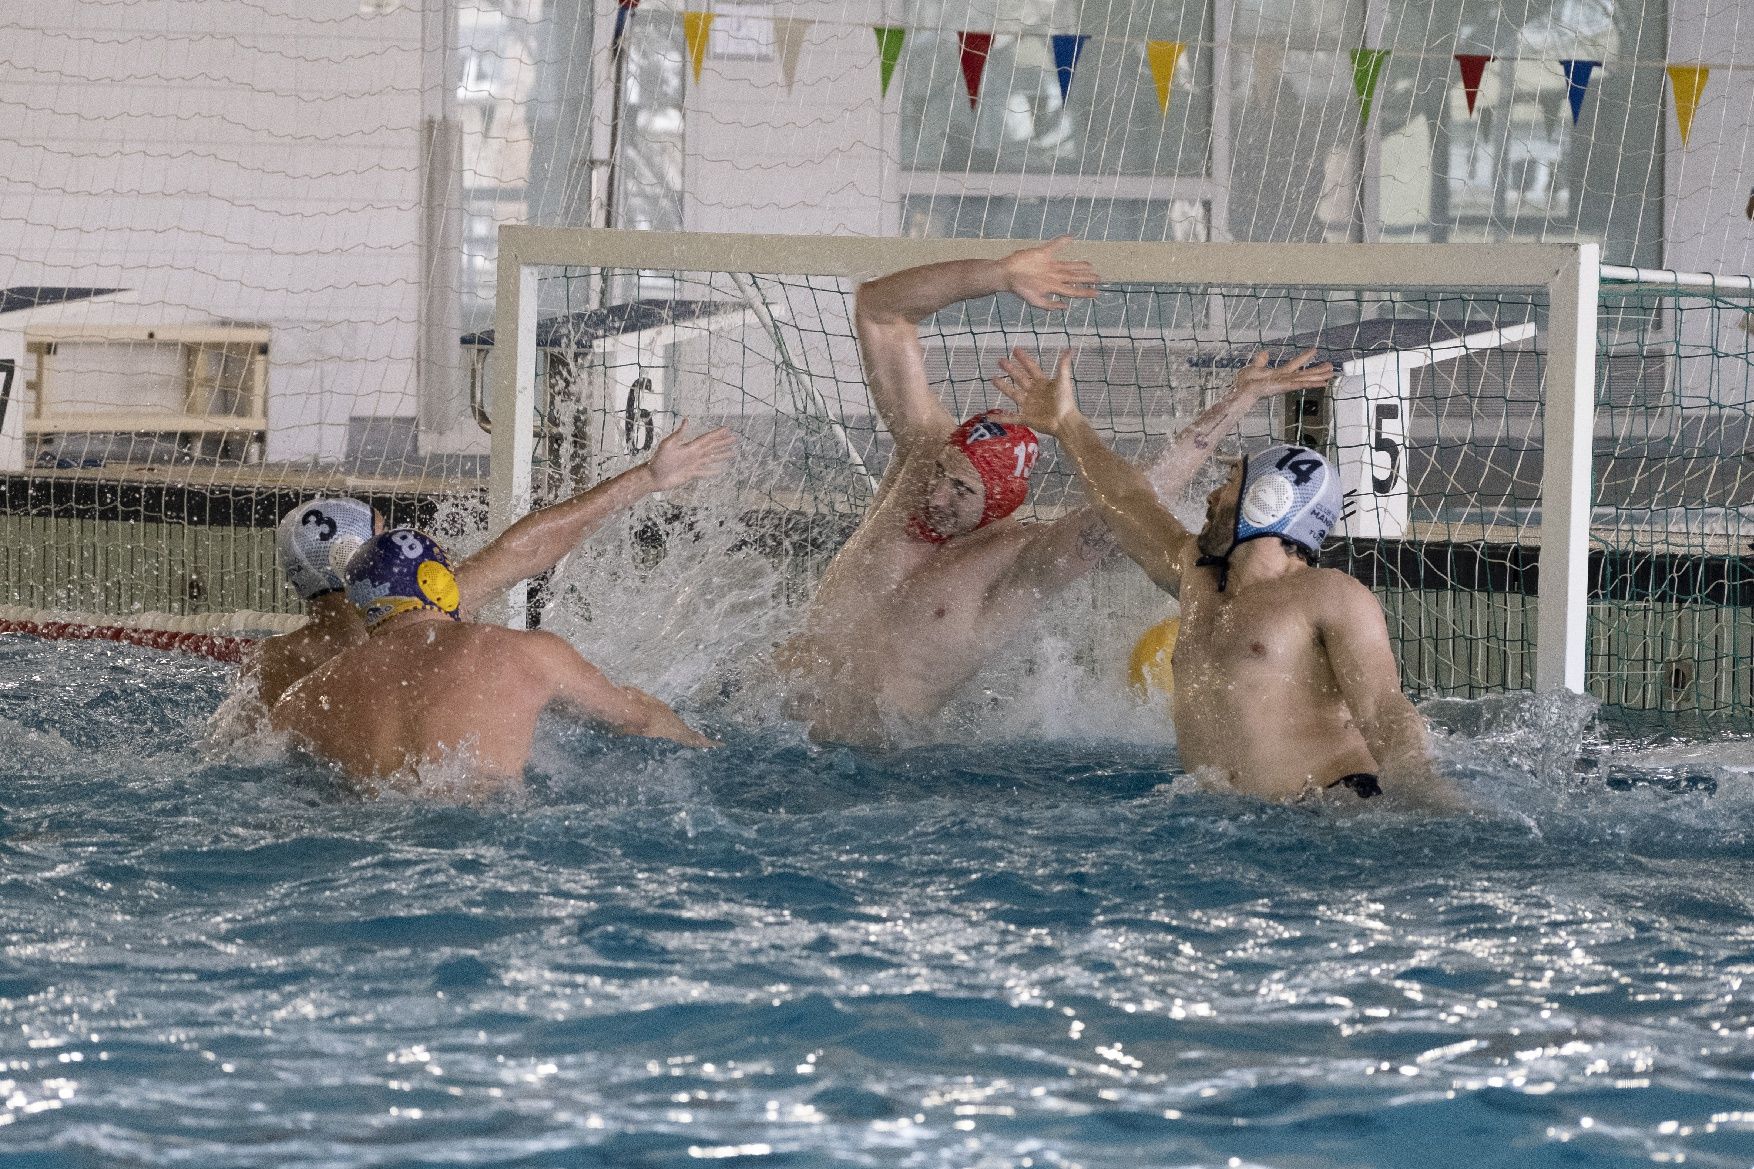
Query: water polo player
x=316 y=539
x=939 y=574
x=426 y=686
x=1285 y=682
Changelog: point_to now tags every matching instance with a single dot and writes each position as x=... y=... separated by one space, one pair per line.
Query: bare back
x=418 y=692
x=424 y=688
x=282 y=660
x=1256 y=694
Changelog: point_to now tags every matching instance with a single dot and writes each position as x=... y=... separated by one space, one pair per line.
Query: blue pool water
x=1044 y=954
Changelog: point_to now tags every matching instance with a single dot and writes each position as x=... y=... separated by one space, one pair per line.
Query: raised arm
x=1177 y=466
x=887 y=314
x=1142 y=525
x=1135 y=505
x=537 y=542
x=587 y=692
x=1356 y=638
x=1056 y=553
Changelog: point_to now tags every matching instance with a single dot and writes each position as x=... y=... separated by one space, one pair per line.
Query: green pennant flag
x=1366 y=72
x=889 y=40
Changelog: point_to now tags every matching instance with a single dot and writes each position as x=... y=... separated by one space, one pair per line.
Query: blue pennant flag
x=1067 y=46
x=1577 y=81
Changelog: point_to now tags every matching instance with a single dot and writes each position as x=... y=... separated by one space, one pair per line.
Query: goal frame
x=1569 y=274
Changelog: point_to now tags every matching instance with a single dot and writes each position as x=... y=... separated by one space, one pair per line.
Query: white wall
x=814 y=161
x=256 y=162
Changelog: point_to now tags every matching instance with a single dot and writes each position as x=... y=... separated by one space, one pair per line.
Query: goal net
x=1537 y=483
x=1462 y=470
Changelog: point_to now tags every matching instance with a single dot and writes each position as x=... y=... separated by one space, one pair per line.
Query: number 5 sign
x=1372 y=398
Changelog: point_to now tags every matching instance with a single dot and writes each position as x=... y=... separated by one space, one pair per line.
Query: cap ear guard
x=315 y=540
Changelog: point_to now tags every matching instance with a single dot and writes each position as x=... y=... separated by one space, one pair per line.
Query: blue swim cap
x=317 y=539
x=1290 y=492
x=398 y=572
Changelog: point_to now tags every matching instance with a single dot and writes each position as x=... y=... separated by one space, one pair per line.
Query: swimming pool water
x=1005 y=954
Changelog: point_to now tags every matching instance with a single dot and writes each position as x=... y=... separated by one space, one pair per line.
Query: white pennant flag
x=788 y=36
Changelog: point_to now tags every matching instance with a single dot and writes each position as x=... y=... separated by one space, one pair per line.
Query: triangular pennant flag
x=623 y=10
x=1688 y=82
x=1473 y=67
x=1162 y=57
x=1067 y=46
x=889 y=42
x=788 y=35
x=694 y=30
x=1577 y=81
x=1366 y=74
x=975 y=46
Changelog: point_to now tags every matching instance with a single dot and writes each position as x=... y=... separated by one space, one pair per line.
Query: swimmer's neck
x=1259 y=561
x=409 y=620
x=334 y=609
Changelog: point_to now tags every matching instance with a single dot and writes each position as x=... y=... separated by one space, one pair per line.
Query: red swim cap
x=1003 y=454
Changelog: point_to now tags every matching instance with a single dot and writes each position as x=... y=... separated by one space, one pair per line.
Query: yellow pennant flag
x=694 y=30
x=1688 y=82
x=1163 y=56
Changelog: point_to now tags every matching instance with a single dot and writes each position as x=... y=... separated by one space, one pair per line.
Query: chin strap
x=1221 y=563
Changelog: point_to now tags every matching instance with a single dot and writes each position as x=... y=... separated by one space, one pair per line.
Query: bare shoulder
x=538 y=648
x=1342 y=597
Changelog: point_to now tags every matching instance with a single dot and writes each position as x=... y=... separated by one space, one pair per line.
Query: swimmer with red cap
x=941 y=573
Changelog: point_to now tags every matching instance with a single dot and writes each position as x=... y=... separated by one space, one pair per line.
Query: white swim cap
x=1290 y=492
x=316 y=540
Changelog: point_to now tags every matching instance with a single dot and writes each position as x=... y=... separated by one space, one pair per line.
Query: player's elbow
x=636 y=711
x=874 y=307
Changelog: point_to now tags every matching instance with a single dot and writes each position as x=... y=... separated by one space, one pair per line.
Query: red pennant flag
x=1473 y=67
x=975 y=46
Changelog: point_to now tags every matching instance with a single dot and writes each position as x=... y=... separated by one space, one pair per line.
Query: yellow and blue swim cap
x=399 y=572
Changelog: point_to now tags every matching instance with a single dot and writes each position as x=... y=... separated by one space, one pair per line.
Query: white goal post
x=1567 y=274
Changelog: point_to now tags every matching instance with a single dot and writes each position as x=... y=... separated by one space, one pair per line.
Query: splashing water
x=1057 y=953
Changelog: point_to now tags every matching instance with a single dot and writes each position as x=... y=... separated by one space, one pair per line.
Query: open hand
x=1258 y=380
x=1040 y=277
x=678 y=460
x=1045 y=403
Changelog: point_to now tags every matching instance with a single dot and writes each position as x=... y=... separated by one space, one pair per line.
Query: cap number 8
x=409 y=543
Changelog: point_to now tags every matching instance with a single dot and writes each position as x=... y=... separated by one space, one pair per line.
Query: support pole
x=513 y=402
x=1568 y=433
